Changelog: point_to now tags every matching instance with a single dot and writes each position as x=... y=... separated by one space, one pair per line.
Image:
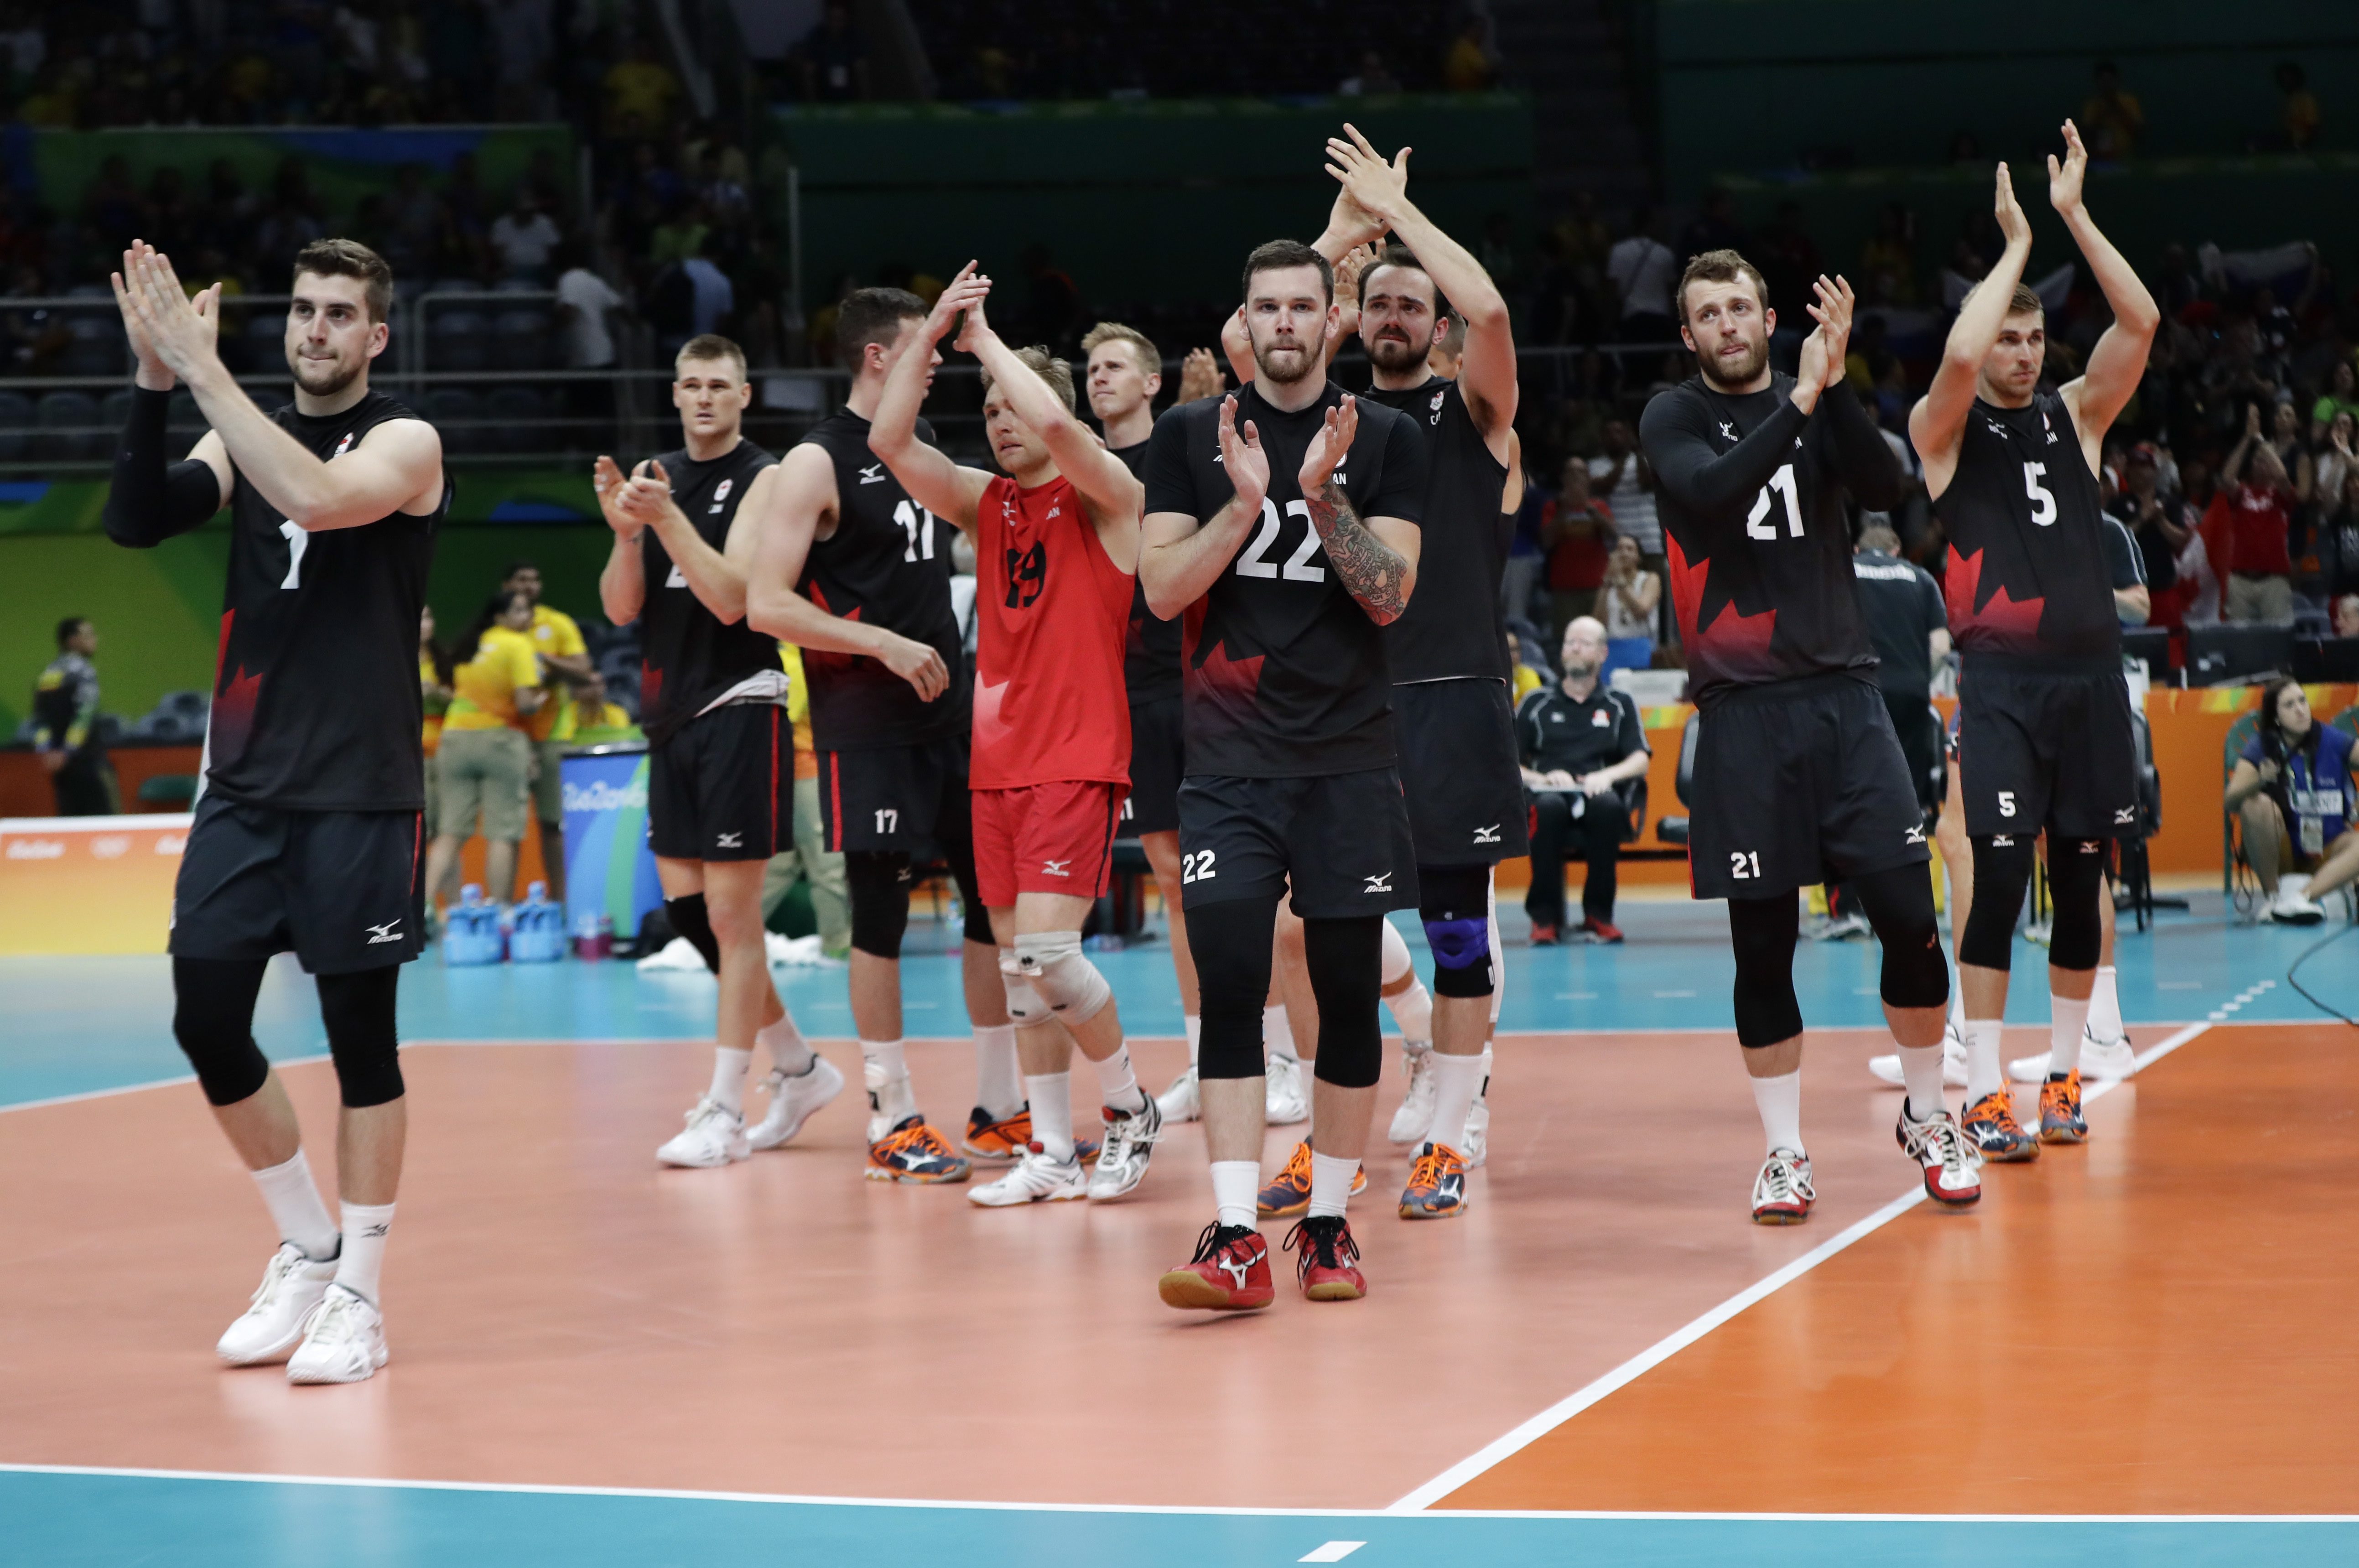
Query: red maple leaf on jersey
x=1735 y=643
x=650 y=686
x=827 y=658
x=234 y=696
x=989 y=724
x=2004 y=622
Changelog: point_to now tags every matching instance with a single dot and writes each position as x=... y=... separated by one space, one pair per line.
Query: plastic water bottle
x=593 y=937
x=471 y=933
x=539 y=932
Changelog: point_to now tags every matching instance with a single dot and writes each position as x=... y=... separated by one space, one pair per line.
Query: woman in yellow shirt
x=485 y=760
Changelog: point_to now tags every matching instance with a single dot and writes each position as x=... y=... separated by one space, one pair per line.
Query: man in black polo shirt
x=1909 y=626
x=1579 y=745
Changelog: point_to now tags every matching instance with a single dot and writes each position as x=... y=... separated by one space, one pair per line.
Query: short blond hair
x=1150 y=361
x=1048 y=367
x=710 y=346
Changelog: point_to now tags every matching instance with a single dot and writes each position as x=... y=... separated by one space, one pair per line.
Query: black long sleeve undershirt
x=1677 y=432
x=151 y=500
x=1864 y=460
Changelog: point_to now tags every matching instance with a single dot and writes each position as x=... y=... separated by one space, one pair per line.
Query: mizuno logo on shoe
x=729 y=840
x=389 y=931
x=873 y=475
x=1487 y=835
x=1379 y=884
x=1235 y=1269
x=1055 y=869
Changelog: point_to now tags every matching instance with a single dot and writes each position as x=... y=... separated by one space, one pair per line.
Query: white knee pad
x=1024 y=1006
x=1064 y=978
x=1397 y=961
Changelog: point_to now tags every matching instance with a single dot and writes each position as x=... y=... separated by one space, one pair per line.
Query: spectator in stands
x=2112 y=119
x=1523 y=679
x=2293 y=793
x=1577 y=531
x=2346 y=616
x=1469 y=64
x=2258 y=494
x=584 y=716
x=2337 y=539
x=1628 y=484
x=2298 y=116
x=1644 y=272
x=833 y=59
x=1582 y=746
x=564 y=663
x=2341 y=397
x=523 y=238
x=2155 y=520
x=1627 y=601
x=2331 y=459
x=65 y=726
x=486 y=758
x=641 y=95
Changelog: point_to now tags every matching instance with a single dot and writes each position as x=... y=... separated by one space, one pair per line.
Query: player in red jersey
x=1057 y=549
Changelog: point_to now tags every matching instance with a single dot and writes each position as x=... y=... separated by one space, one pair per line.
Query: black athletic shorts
x=911 y=798
x=1456 y=740
x=1918 y=730
x=1157 y=762
x=343 y=890
x=1796 y=782
x=1340 y=839
x=722 y=787
x=2046 y=747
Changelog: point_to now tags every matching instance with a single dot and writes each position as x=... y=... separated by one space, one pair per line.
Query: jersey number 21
x=1757 y=524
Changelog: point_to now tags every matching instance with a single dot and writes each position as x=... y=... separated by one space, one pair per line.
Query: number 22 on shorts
x=1197 y=866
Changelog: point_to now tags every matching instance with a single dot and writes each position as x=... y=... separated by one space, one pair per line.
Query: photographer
x=2292 y=788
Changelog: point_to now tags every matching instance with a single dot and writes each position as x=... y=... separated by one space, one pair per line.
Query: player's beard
x=1286 y=363
x=1395 y=355
x=1724 y=373
x=323 y=377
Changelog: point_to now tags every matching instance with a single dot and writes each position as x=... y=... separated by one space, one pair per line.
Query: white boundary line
x=35 y=827
x=940 y=1504
x=1662 y=1350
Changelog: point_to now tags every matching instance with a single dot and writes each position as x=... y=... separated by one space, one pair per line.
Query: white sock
x=789 y=1052
x=1194 y=1024
x=1330 y=1184
x=1920 y=1068
x=1117 y=1084
x=1957 y=1003
x=888 y=1071
x=363 y=1259
x=1413 y=1010
x=296 y=1209
x=1779 y=1100
x=1983 y=1072
x=1277 y=1033
x=2066 y=1016
x=2105 y=1006
x=729 y=1068
x=1456 y=1080
x=1051 y=1095
x=998 y=1082
x=1237 y=1188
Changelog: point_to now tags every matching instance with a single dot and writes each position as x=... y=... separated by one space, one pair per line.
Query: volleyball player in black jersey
x=1253 y=532
x=1799 y=776
x=2044 y=737
x=721 y=764
x=1452 y=708
x=309 y=825
x=857 y=575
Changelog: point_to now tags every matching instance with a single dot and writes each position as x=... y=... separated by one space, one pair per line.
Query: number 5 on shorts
x=2006 y=803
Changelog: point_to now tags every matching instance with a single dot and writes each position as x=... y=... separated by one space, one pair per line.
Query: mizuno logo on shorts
x=873 y=475
x=1914 y=835
x=729 y=840
x=2002 y=841
x=2125 y=814
x=1379 y=884
x=2091 y=845
x=1487 y=835
x=1055 y=869
x=389 y=931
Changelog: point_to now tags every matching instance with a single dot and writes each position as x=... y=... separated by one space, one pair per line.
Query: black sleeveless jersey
x=1452 y=629
x=688 y=656
x=1151 y=655
x=1750 y=492
x=316 y=702
x=887 y=564
x=2027 y=572
x=1283 y=674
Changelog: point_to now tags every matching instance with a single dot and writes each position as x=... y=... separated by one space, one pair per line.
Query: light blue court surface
x=76 y=1025
x=65 y=1521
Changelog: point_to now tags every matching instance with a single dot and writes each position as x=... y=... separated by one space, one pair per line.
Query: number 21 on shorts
x=1745 y=865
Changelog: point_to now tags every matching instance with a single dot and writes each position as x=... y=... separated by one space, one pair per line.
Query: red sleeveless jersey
x=1054 y=616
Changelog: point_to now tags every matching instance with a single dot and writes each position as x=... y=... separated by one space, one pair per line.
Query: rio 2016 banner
x=609 y=869
x=88 y=885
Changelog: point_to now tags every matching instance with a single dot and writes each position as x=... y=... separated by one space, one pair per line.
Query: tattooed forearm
x=1370 y=570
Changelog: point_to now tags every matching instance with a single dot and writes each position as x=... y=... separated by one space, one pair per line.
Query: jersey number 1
x=1757 y=523
x=297 y=541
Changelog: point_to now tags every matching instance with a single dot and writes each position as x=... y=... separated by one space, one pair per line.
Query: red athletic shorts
x=1045 y=838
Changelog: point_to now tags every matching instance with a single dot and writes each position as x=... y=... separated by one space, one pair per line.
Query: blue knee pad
x=1461 y=955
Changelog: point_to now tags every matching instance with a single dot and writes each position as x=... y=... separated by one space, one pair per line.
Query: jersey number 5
x=1757 y=523
x=2043 y=500
x=1255 y=562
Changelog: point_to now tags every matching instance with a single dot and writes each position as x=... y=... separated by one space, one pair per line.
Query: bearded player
x=1056 y=544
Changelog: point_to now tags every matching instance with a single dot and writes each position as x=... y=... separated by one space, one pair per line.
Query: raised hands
x=606 y=479
x=1242 y=456
x=1200 y=375
x=1378 y=188
x=1823 y=352
x=2011 y=223
x=1327 y=449
x=2064 y=178
x=170 y=333
x=966 y=290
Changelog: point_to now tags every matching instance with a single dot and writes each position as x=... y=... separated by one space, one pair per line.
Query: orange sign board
x=88 y=885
